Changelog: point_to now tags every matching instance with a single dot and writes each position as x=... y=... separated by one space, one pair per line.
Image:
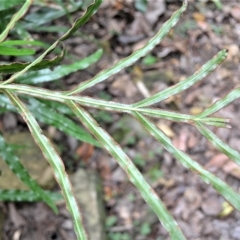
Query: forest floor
x=121 y=28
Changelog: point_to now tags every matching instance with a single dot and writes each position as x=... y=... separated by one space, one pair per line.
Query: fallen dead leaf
x=227 y=209
x=168 y=183
x=139 y=27
x=195 y=110
x=180 y=141
x=191 y=97
x=118 y=5
x=198 y=17
x=181 y=45
x=233 y=50
x=192 y=140
x=166 y=129
x=16 y=218
x=204 y=26
x=223 y=162
x=217 y=161
x=193 y=199
x=103 y=165
x=211 y=206
x=155 y=10
x=85 y=151
x=235 y=12
x=108 y=193
x=232 y=168
x=223 y=73
x=123 y=86
x=124 y=209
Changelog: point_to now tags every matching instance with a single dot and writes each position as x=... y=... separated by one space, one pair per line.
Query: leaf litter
x=203 y=30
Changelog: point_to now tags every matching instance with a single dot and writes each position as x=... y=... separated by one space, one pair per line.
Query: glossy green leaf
x=79 y=22
x=6 y=4
x=132 y=172
x=49 y=116
x=16 y=166
x=47 y=75
x=46 y=15
x=10 y=51
x=226 y=191
x=15 y=66
x=185 y=84
x=26 y=196
x=5 y=16
x=15 y=18
x=23 y=42
x=221 y=103
x=218 y=143
x=126 y=62
x=55 y=161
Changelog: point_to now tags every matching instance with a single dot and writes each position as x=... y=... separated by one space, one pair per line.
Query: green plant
x=149 y=60
x=145 y=229
x=32 y=109
x=119 y=236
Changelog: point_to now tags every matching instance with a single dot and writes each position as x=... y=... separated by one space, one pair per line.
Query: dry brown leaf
x=123 y=87
x=235 y=12
x=232 y=168
x=155 y=10
x=192 y=140
x=193 y=200
x=103 y=165
x=223 y=162
x=180 y=141
x=223 y=73
x=233 y=50
x=15 y=217
x=195 y=110
x=108 y=193
x=198 y=17
x=168 y=183
x=139 y=27
x=166 y=129
x=211 y=206
x=181 y=45
x=204 y=26
x=118 y=5
x=85 y=151
x=217 y=161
